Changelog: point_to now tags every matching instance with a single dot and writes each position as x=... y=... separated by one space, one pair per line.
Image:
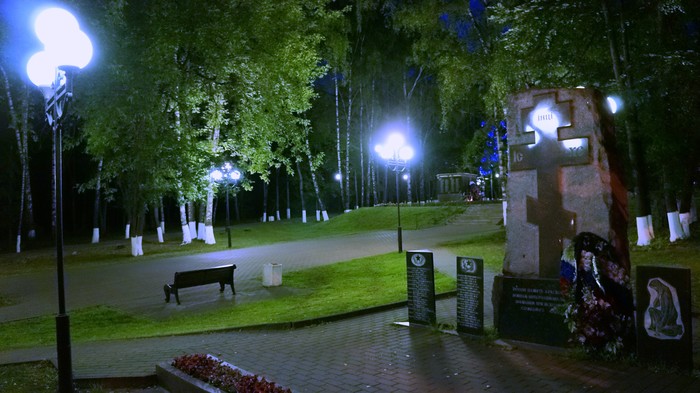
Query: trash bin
x=272 y=274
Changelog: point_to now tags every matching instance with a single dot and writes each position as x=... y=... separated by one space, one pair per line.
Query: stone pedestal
x=564 y=179
x=529 y=309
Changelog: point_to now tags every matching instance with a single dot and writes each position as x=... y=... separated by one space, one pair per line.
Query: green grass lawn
x=117 y=250
x=490 y=248
x=322 y=291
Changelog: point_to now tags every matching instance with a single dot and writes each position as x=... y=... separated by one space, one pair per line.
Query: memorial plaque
x=421 y=287
x=664 y=324
x=530 y=309
x=470 y=295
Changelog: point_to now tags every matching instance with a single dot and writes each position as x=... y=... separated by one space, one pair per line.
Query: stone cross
x=554 y=139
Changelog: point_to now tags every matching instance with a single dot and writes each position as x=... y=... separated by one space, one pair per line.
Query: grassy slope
x=245 y=235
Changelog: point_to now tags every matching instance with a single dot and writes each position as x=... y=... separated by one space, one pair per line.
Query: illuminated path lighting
x=66 y=49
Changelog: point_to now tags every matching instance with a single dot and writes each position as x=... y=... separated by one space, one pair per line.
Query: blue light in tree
x=489 y=160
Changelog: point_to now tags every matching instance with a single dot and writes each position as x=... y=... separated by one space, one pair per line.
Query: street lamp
x=396 y=153
x=227 y=174
x=66 y=49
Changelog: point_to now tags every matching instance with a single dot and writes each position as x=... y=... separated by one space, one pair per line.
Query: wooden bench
x=192 y=278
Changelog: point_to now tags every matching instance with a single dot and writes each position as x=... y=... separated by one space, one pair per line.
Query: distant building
x=453 y=187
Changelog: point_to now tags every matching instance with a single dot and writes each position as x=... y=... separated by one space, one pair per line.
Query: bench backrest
x=223 y=274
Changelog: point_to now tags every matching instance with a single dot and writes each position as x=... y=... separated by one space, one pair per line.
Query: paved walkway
x=367 y=353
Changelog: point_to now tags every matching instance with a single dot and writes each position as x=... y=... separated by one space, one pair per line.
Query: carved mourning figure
x=663 y=315
x=599 y=295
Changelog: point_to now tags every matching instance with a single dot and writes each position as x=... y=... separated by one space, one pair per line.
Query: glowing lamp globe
x=405 y=153
x=65 y=45
x=216 y=175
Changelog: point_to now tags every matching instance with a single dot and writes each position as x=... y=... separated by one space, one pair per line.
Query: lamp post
x=66 y=49
x=396 y=153
x=227 y=174
x=339 y=178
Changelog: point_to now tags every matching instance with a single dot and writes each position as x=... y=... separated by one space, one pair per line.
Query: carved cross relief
x=549 y=141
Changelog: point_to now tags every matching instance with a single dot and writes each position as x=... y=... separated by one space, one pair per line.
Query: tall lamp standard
x=66 y=49
x=396 y=153
x=227 y=174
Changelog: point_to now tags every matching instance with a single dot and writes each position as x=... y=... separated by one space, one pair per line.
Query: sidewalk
x=366 y=353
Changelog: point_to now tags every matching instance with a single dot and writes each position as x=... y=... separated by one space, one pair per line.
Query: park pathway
x=138 y=286
x=364 y=353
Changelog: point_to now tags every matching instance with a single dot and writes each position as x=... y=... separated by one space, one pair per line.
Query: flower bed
x=224 y=376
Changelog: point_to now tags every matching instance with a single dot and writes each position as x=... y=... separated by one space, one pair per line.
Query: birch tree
x=18 y=109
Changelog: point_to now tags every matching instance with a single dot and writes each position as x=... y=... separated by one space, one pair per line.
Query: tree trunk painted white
x=325 y=215
x=674 y=226
x=159 y=230
x=202 y=222
x=19 y=244
x=685 y=224
x=95 y=235
x=209 y=217
x=137 y=246
x=201 y=231
x=643 y=232
x=209 y=235
x=318 y=215
x=186 y=233
x=289 y=214
x=127 y=231
x=186 y=239
x=303 y=216
x=192 y=225
x=162 y=215
x=264 y=217
x=505 y=209
x=271 y=218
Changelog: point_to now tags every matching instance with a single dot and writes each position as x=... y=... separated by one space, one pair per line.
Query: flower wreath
x=598 y=296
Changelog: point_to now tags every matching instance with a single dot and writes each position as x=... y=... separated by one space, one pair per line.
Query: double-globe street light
x=396 y=152
x=66 y=49
x=227 y=175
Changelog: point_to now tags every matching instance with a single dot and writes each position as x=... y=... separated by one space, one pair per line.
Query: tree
x=225 y=93
x=18 y=108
